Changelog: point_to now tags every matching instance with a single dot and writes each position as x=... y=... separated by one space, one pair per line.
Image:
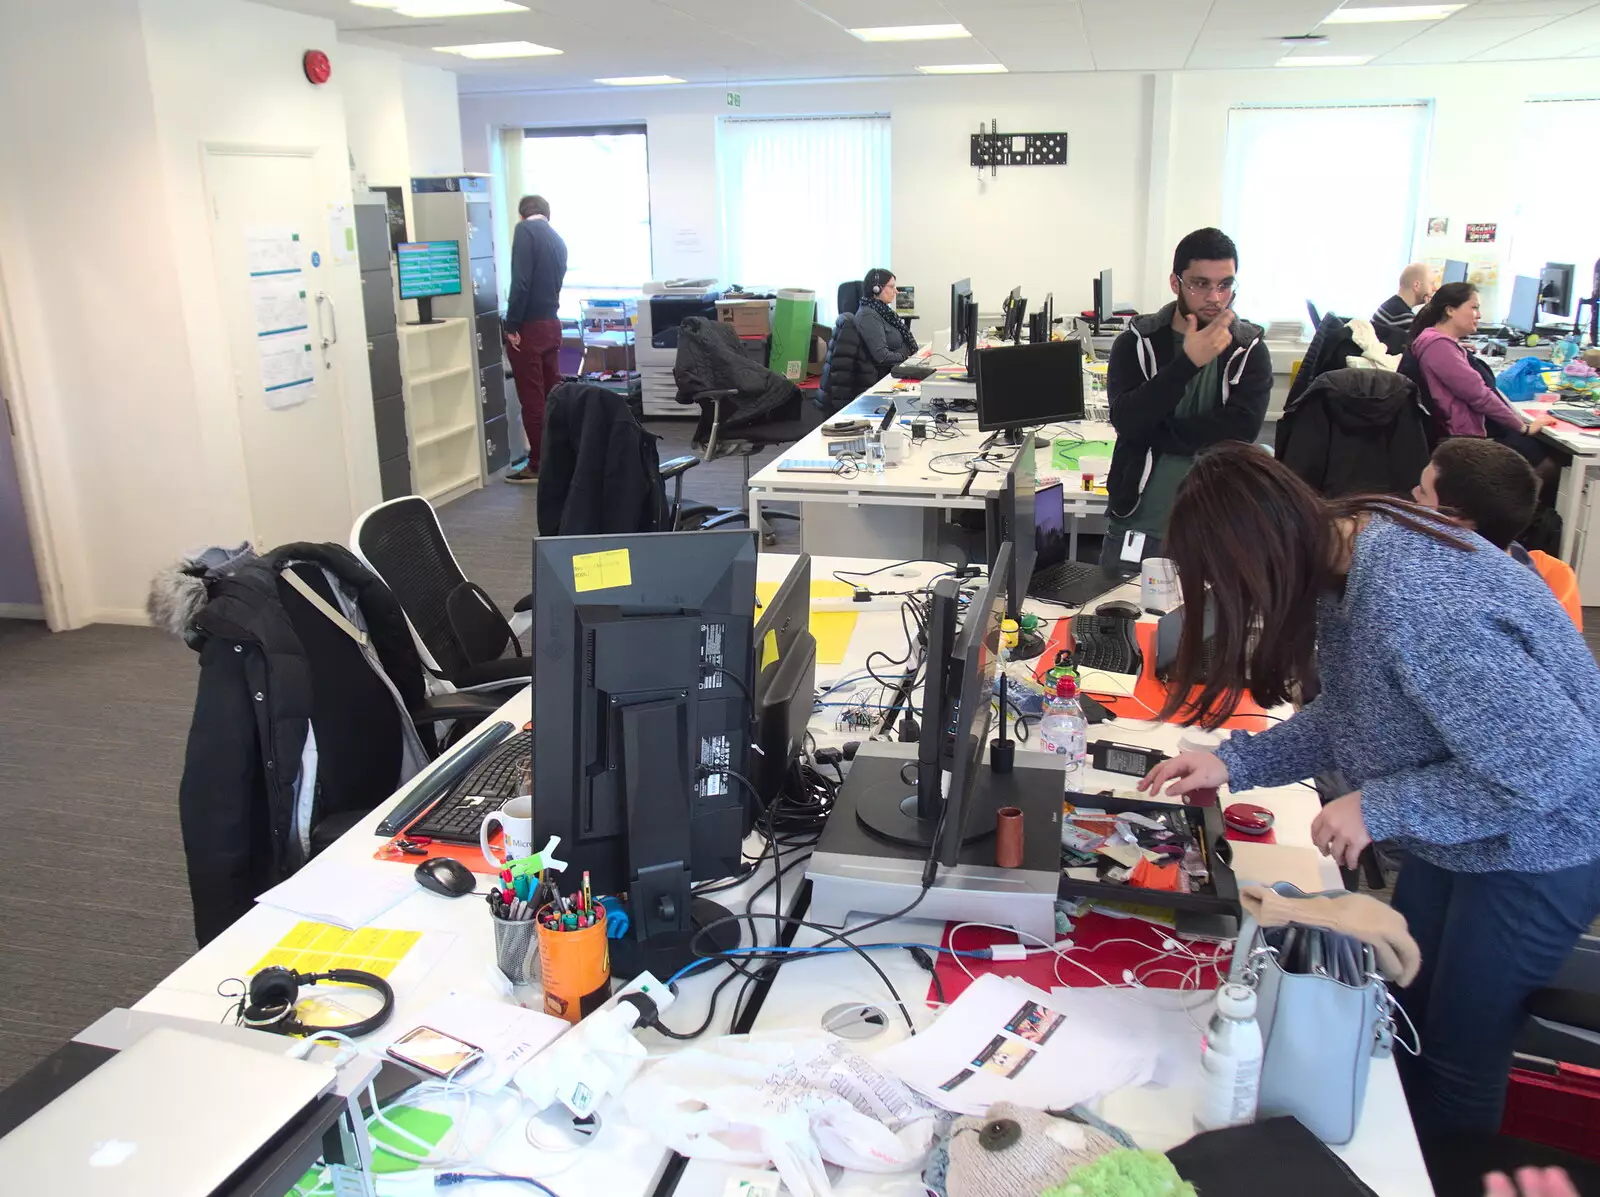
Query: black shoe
x=526 y=476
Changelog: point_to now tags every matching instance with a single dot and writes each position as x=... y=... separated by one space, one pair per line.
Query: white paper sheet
x=271 y=249
x=288 y=374
x=278 y=302
x=509 y=1035
x=1005 y=1041
x=330 y=896
x=342 y=234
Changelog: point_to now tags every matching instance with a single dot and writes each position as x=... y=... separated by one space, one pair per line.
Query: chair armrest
x=725 y=520
x=460 y=705
x=507 y=671
x=714 y=396
x=677 y=465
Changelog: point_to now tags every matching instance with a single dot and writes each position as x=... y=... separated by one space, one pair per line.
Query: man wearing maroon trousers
x=533 y=329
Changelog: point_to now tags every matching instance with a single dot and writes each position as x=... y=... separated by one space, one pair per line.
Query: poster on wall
x=342 y=234
x=282 y=321
x=1481 y=234
x=1438 y=226
x=271 y=249
x=288 y=375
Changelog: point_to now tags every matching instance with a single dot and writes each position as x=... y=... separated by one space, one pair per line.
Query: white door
x=269 y=237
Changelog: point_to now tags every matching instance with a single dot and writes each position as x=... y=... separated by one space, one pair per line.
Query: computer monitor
x=428 y=268
x=642 y=684
x=1016 y=309
x=1455 y=271
x=1104 y=302
x=956 y=711
x=785 y=682
x=1555 y=288
x=1011 y=520
x=1024 y=386
x=1523 y=313
x=960 y=293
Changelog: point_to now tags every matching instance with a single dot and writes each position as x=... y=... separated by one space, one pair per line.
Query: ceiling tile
x=1454 y=41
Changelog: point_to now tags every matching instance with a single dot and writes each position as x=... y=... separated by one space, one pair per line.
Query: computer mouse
x=446 y=876
x=1119 y=607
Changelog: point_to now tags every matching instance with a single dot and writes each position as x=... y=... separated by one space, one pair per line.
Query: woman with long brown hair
x=1455 y=696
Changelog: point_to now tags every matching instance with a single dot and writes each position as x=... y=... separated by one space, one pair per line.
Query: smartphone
x=435 y=1053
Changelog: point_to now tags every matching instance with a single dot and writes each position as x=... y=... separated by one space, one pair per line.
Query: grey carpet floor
x=94 y=904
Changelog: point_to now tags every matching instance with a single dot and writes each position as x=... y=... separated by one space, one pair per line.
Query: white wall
x=1044 y=228
x=401 y=118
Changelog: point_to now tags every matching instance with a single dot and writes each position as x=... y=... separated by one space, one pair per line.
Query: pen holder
x=516 y=950
x=576 y=966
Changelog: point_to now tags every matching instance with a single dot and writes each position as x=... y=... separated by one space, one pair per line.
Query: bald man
x=1392 y=321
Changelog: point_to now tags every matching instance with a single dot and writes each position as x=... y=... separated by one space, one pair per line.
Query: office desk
x=1574 y=499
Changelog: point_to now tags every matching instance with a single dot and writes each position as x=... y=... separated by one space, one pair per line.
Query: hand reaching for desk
x=1184 y=772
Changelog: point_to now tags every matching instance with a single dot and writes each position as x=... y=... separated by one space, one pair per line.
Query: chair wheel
x=769 y=539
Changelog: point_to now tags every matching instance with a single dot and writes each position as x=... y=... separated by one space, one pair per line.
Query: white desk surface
x=630 y=1160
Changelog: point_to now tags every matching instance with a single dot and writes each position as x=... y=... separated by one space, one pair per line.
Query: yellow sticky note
x=601 y=571
x=769 y=649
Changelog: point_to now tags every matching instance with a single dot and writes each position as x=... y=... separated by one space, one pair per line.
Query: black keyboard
x=1072 y=583
x=458 y=817
x=1107 y=643
x=1583 y=417
x=915 y=373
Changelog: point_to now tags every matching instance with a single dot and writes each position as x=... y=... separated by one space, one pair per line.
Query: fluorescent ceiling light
x=444 y=8
x=1400 y=12
x=1324 y=60
x=965 y=68
x=911 y=33
x=640 y=80
x=498 y=50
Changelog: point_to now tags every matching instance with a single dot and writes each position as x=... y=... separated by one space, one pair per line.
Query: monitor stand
x=424 y=311
x=1014 y=437
x=853 y=872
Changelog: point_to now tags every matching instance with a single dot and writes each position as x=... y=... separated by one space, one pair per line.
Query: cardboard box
x=614 y=359
x=748 y=317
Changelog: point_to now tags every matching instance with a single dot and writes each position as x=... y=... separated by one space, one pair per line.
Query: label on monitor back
x=713 y=640
x=716 y=753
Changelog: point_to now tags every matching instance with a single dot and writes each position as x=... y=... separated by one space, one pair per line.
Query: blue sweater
x=1461 y=701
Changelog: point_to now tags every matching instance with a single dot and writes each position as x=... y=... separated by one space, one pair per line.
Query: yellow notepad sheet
x=317 y=947
x=832 y=629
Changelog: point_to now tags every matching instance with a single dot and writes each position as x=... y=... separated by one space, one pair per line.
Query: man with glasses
x=1189 y=376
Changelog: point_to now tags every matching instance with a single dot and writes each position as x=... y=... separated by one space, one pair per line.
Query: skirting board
x=22 y=611
x=135 y=616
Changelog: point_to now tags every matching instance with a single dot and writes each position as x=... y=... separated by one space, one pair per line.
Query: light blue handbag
x=1320 y=1029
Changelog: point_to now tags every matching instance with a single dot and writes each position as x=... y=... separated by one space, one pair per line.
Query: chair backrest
x=849 y=297
x=402 y=543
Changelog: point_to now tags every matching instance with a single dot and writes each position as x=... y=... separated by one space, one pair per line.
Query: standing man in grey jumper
x=533 y=328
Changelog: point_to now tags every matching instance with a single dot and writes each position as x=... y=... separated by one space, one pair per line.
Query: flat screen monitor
x=1524 y=310
x=427 y=269
x=977 y=659
x=785 y=681
x=1455 y=271
x=1104 y=303
x=1555 y=288
x=1024 y=386
x=642 y=680
x=1011 y=520
x=960 y=295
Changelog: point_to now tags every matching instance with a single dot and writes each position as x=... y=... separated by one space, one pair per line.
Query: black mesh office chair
x=849 y=297
x=792 y=421
x=460 y=633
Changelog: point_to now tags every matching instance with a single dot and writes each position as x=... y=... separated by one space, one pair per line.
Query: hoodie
x=1145 y=383
x=1356 y=431
x=1463 y=400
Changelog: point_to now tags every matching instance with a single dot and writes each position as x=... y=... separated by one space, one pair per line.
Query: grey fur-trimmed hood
x=178 y=593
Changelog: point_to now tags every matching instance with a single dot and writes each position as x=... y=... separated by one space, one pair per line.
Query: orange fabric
x=1149 y=876
x=1561 y=579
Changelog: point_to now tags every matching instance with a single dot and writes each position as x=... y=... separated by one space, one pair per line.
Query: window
x=1557 y=183
x=805 y=202
x=598 y=183
x=1322 y=203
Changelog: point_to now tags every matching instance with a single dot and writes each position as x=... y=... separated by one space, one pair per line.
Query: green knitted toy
x=1124 y=1173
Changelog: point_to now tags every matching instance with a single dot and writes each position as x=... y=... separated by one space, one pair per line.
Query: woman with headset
x=885 y=337
x=1457 y=699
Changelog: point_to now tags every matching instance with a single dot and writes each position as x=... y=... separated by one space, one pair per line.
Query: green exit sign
x=733 y=99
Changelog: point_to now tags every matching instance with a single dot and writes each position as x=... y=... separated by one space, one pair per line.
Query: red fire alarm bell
x=317 y=67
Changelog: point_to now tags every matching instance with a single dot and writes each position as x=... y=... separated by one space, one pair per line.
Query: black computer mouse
x=447 y=876
x=1118 y=607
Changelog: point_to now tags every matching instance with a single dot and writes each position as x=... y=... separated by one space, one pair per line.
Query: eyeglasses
x=1203 y=286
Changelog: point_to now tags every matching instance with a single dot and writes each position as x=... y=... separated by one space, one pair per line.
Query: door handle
x=333 y=320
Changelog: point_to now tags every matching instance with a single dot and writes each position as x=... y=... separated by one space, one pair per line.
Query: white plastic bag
x=796 y=1099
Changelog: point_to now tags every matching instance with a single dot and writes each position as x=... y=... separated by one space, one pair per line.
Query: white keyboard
x=808 y=465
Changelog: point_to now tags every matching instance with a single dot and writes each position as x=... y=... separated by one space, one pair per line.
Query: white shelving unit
x=442 y=408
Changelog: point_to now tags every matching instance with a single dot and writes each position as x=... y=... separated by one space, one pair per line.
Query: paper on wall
x=278 y=302
x=1005 y=1041
x=342 y=234
x=287 y=374
x=271 y=249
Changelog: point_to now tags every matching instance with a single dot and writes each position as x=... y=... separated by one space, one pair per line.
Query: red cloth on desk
x=1089 y=931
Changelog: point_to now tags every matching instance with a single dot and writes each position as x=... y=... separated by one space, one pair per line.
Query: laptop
x=173 y=1115
x=1055 y=579
x=913 y=372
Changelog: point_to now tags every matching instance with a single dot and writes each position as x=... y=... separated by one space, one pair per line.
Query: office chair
x=797 y=418
x=849 y=297
x=1316 y=317
x=460 y=633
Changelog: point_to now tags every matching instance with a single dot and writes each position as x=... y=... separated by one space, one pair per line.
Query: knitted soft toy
x=1014 y=1152
x=1124 y=1174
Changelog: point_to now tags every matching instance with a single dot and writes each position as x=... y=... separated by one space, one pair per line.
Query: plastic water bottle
x=1230 y=1059
x=1063 y=730
x=875 y=453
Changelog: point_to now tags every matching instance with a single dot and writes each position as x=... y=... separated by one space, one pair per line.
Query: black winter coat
x=1356 y=432
x=258 y=695
x=599 y=470
x=711 y=358
x=848 y=370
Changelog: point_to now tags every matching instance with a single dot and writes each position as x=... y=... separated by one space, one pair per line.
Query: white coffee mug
x=1158 y=585
x=894 y=446
x=516 y=831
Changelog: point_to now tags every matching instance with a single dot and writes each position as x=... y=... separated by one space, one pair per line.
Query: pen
x=587 y=902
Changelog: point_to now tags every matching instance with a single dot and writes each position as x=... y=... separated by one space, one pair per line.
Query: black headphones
x=275 y=990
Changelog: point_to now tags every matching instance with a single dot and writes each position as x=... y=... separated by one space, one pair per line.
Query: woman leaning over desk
x=1456 y=696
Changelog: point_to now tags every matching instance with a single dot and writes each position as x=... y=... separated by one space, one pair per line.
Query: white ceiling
x=745 y=41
